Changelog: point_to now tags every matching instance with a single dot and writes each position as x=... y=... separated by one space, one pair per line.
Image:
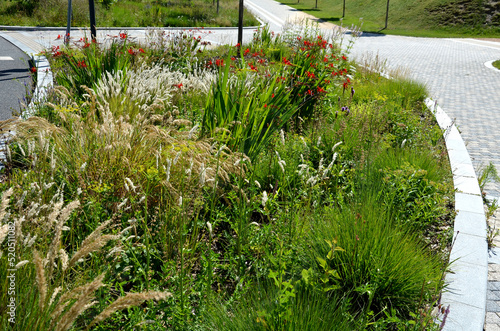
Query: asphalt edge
x=44 y=74
x=465 y=290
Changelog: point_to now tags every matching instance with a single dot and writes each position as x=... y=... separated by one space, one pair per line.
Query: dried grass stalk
x=129 y=300
x=40 y=279
x=81 y=304
x=93 y=246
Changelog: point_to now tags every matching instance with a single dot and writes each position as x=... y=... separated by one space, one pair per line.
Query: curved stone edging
x=489 y=65
x=466 y=283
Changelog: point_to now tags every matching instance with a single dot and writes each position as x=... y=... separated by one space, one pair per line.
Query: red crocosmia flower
x=344 y=58
x=82 y=64
x=123 y=35
x=255 y=54
x=272 y=96
x=237 y=45
x=86 y=45
x=219 y=62
x=345 y=85
x=210 y=63
x=33 y=69
x=246 y=51
x=309 y=92
x=179 y=85
x=58 y=37
x=321 y=90
x=233 y=58
x=141 y=50
x=131 y=51
x=265 y=105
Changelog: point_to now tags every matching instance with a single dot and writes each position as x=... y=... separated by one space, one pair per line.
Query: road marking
x=6 y=58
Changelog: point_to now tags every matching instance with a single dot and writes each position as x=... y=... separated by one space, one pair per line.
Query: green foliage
x=87 y=67
x=112 y=13
x=247 y=120
x=381 y=266
x=429 y=18
x=260 y=190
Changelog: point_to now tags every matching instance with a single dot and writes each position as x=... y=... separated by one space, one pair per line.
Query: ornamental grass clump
x=98 y=152
x=55 y=303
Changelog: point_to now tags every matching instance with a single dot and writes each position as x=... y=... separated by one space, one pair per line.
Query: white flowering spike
x=282 y=165
x=20 y=264
x=336 y=145
x=282 y=136
x=177 y=157
x=209 y=226
x=319 y=141
x=264 y=198
x=130 y=184
x=120 y=206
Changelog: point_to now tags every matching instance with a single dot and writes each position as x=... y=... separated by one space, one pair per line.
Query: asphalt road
x=15 y=79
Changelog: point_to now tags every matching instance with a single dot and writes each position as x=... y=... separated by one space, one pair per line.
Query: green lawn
x=429 y=18
x=125 y=13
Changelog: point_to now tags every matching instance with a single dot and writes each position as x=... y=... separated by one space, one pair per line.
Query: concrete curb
x=489 y=65
x=53 y=28
x=466 y=283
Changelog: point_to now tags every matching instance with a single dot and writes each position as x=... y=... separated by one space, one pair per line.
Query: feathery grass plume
x=22 y=263
x=62 y=216
x=54 y=295
x=264 y=198
x=40 y=279
x=86 y=294
x=93 y=242
x=4 y=230
x=18 y=226
x=5 y=202
x=129 y=300
x=63 y=256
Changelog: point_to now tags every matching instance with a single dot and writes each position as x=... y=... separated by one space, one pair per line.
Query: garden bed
x=276 y=185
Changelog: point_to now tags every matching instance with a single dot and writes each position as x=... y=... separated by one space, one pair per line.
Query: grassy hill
x=125 y=13
x=417 y=17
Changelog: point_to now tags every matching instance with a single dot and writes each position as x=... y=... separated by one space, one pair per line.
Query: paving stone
x=492 y=327
x=493 y=295
x=492 y=306
x=493 y=276
x=492 y=318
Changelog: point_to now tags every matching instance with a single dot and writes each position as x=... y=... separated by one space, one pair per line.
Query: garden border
x=465 y=293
